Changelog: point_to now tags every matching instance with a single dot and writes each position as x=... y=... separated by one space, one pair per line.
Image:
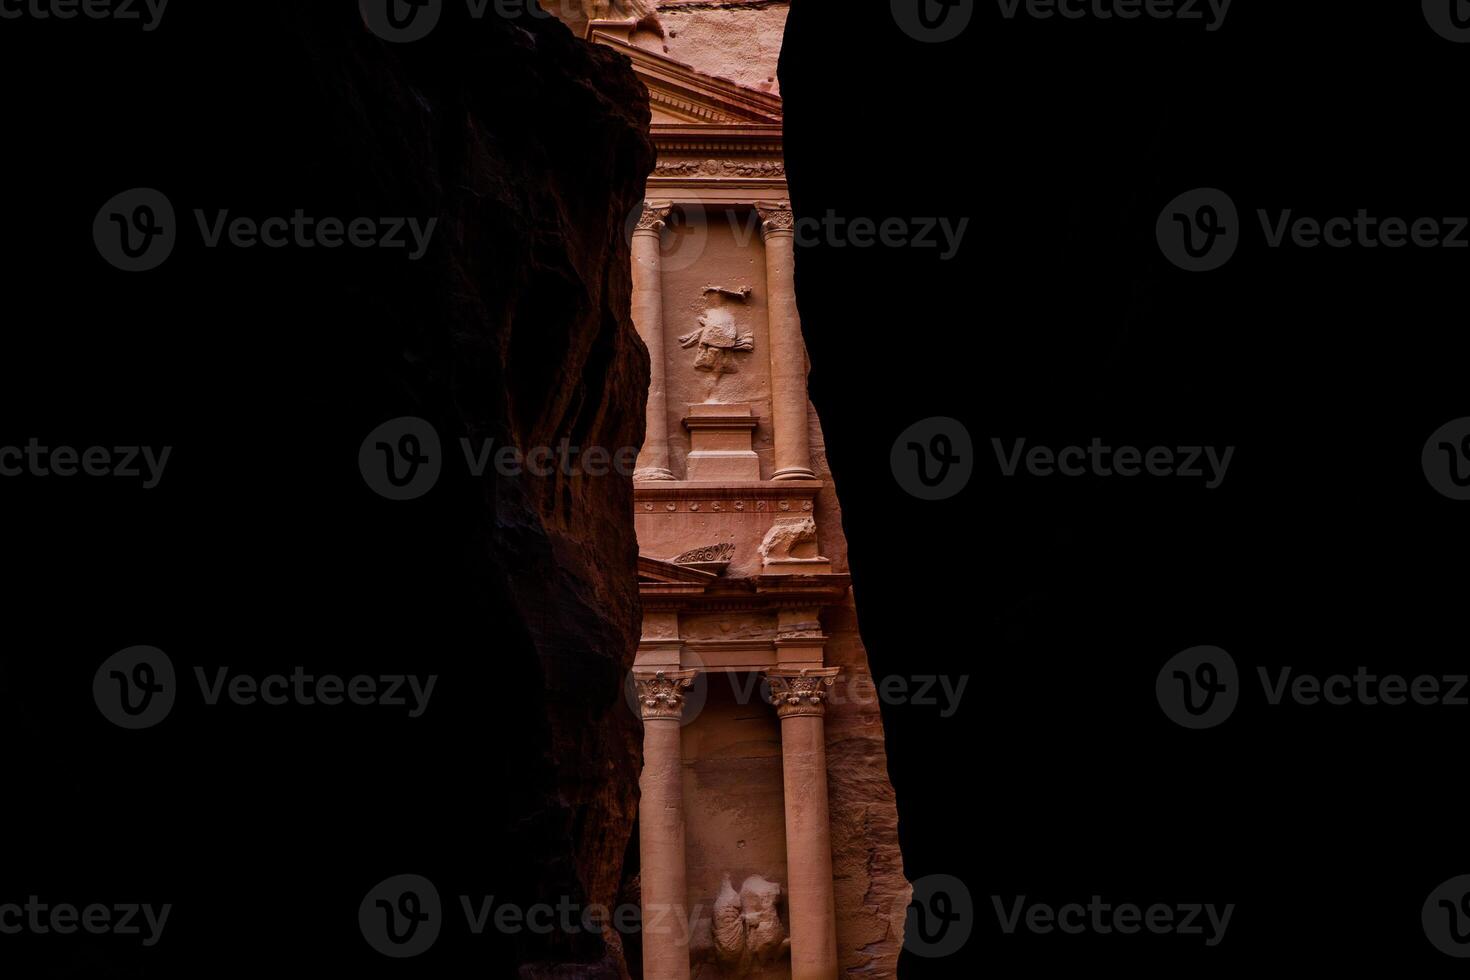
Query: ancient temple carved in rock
x=766 y=816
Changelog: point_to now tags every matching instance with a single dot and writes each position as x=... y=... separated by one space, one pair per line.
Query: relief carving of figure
x=645 y=12
x=790 y=539
x=745 y=927
x=718 y=336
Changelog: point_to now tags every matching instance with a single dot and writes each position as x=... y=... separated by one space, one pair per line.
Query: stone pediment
x=658 y=571
x=679 y=95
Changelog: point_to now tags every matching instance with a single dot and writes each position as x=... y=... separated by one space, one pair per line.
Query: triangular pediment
x=680 y=95
x=656 y=570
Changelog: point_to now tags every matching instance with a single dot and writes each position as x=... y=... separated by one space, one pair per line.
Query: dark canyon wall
x=264 y=549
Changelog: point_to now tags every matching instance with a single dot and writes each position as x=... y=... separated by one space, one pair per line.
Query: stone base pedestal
x=720 y=444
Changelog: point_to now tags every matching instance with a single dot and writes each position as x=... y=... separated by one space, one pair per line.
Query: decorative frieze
x=774 y=169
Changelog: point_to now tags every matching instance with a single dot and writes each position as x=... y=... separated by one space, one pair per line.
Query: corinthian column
x=799 y=696
x=788 y=352
x=648 y=318
x=661 y=826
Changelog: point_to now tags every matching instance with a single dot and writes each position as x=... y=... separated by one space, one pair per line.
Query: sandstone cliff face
x=531 y=148
x=264 y=549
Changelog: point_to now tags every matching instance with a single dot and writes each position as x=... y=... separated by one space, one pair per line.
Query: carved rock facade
x=774 y=769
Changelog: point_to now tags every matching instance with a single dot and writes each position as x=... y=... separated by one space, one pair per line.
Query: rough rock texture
x=264 y=549
x=531 y=148
x=870 y=888
x=735 y=39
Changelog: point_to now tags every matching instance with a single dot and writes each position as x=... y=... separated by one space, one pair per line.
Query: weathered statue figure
x=645 y=12
x=718 y=336
x=745 y=928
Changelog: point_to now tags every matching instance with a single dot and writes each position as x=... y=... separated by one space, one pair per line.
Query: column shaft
x=788 y=351
x=648 y=318
x=661 y=828
x=799 y=698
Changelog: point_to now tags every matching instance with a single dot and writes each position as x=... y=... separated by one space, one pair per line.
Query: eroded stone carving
x=720 y=168
x=661 y=695
x=745 y=930
x=711 y=558
x=718 y=336
x=643 y=12
x=654 y=217
x=791 y=540
x=776 y=217
x=803 y=693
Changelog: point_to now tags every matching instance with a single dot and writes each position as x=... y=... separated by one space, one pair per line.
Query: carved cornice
x=661 y=694
x=760 y=592
x=801 y=692
x=684 y=90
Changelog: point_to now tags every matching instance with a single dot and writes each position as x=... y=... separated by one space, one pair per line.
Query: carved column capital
x=776 y=218
x=661 y=694
x=655 y=215
x=801 y=692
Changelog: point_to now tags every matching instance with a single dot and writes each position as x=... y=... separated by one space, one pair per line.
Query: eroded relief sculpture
x=745 y=930
x=790 y=540
x=645 y=12
x=718 y=336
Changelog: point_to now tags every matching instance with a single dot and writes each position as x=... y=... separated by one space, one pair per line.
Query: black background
x=1059 y=777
